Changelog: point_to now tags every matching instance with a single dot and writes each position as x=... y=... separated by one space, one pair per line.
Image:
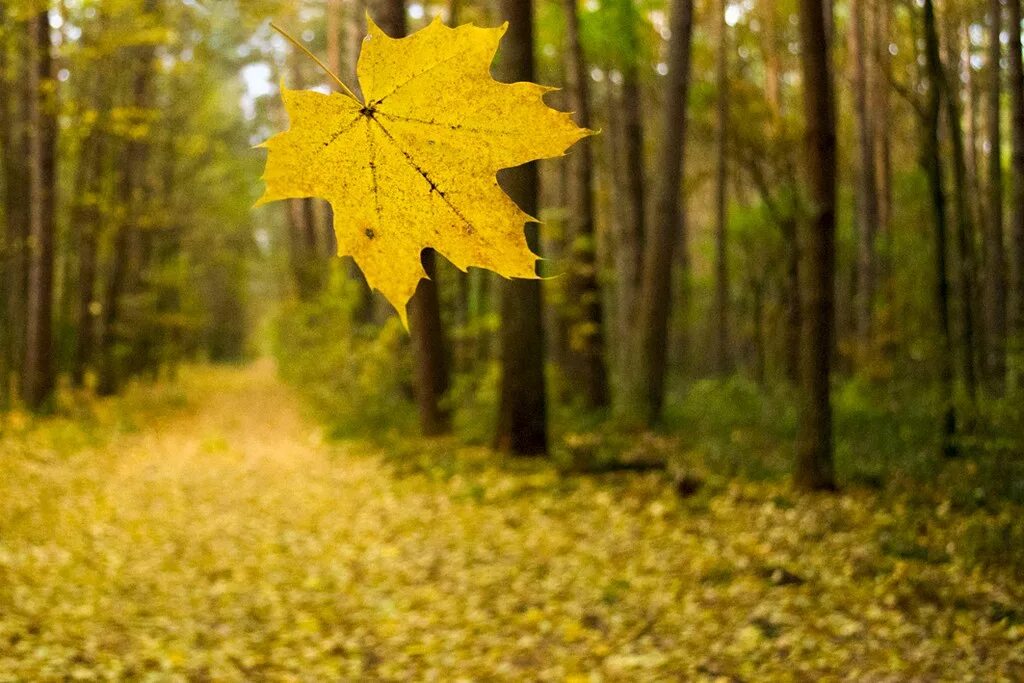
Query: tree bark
x=995 y=266
x=584 y=304
x=881 y=76
x=85 y=220
x=967 y=267
x=13 y=153
x=39 y=373
x=120 y=274
x=932 y=162
x=1016 y=88
x=522 y=410
x=648 y=391
x=814 y=447
x=866 y=214
x=721 y=322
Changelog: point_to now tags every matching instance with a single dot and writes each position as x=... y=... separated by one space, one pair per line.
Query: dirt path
x=207 y=533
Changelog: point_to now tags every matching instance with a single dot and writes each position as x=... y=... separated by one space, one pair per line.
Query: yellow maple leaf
x=413 y=164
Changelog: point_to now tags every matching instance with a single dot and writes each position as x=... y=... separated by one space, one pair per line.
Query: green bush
x=356 y=377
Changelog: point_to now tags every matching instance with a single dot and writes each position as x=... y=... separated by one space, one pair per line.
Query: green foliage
x=356 y=378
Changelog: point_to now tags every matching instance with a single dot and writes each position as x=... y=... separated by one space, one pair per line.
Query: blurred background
x=130 y=246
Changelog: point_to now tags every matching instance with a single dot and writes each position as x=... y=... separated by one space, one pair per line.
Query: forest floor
x=204 y=530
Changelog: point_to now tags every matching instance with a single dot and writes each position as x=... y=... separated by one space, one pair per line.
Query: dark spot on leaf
x=370 y=233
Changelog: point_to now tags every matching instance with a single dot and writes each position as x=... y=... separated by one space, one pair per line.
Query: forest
x=760 y=417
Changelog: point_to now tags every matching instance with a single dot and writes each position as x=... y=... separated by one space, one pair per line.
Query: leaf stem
x=344 y=88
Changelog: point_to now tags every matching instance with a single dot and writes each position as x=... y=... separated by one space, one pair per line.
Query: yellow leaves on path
x=413 y=165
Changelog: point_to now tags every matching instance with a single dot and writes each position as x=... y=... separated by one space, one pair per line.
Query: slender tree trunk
x=932 y=161
x=666 y=227
x=967 y=266
x=85 y=220
x=794 y=297
x=971 y=130
x=881 y=76
x=631 y=213
x=721 y=322
x=522 y=409
x=814 y=458
x=866 y=215
x=15 y=174
x=431 y=352
x=335 y=38
x=1016 y=87
x=130 y=190
x=995 y=266
x=39 y=373
x=772 y=62
x=584 y=301
x=300 y=257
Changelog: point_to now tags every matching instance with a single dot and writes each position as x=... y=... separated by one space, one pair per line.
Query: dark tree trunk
x=301 y=257
x=772 y=62
x=130 y=189
x=584 y=304
x=648 y=381
x=38 y=378
x=85 y=220
x=967 y=266
x=932 y=161
x=866 y=215
x=522 y=410
x=431 y=353
x=629 y=254
x=794 y=297
x=814 y=459
x=995 y=266
x=721 y=321
x=881 y=76
x=15 y=181
x=1016 y=88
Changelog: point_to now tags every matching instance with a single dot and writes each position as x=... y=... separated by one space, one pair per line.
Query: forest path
x=204 y=531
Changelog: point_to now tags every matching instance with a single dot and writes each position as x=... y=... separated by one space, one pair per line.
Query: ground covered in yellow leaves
x=205 y=531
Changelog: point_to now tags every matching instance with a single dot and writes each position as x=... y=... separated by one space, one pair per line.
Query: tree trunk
x=522 y=410
x=1016 y=87
x=300 y=257
x=772 y=62
x=584 y=304
x=648 y=380
x=15 y=182
x=631 y=240
x=794 y=296
x=881 y=76
x=932 y=162
x=85 y=219
x=967 y=266
x=721 y=322
x=129 y=192
x=971 y=130
x=39 y=371
x=866 y=215
x=995 y=266
x=814 y=458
